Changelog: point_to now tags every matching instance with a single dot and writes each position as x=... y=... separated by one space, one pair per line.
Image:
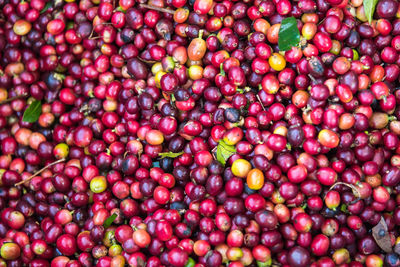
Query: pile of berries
x=199 y=133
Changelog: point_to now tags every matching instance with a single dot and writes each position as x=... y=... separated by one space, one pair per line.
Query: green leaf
x=289 y=34
x=190 y=262
x=120 y=9
x=33 y=112
x=343 y=208
x=264 y=264
x=369 y=8
x=170 y=154
x=224 y=152
x=107 y=223
x=46 y=7
x=221 y=69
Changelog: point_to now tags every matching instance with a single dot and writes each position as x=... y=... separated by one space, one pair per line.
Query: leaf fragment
x=170 y=154
x=46 y=7
x=224 y=152
x=381 y=235
x=107 y=223
x=33 y=112
x=289 y=34
x=369 y=8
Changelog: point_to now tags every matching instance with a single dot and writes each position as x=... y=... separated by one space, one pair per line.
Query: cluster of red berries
x=199 y=133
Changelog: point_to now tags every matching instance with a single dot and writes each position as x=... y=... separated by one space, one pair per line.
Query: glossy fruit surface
x=184 y=133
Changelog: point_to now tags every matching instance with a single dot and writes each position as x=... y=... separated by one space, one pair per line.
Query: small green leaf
x=221 y=69
x=343 y=208
x=224 y=152
x=289 y=34
x=264 y=264
x=120 y=9
x=369 y=8
x=170 y=154
x=190 y=262
x=107 y=223
x=46 y=7
x=33 y=112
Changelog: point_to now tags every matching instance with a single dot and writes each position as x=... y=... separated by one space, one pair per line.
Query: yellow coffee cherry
x=241 y=168
x=277 y=61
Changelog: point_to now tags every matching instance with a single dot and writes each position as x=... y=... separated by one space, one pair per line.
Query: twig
x=147 y=61
x=354 y=189
x=12 y=98
x=259 y=100
x=95 y=38
x=40 y=171
x=92 y=32
x=311 y=77
x=158 y=8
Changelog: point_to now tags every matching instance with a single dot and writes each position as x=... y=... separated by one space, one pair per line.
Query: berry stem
x=157 y=8
x=11 y=99
x=354 y=189
x=259 y=100
x=40 y=171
